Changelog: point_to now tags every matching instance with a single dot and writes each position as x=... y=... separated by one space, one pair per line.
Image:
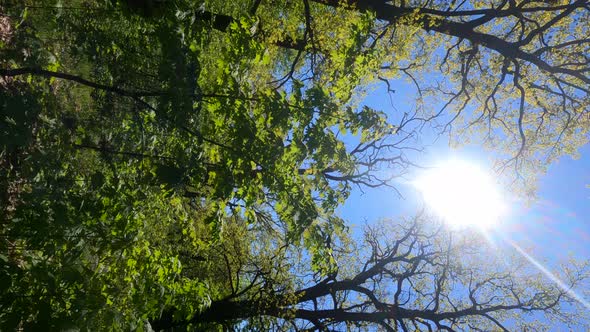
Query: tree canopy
x=178 y=164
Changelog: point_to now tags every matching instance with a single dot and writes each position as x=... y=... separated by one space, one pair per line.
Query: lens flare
x=550 y=275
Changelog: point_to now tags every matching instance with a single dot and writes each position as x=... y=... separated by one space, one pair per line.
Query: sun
x=462 y=194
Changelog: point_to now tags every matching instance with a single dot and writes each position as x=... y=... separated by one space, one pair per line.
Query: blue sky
x=551 y=228
x=558 y=223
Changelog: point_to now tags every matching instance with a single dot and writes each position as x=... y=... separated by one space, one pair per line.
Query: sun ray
x=548 y=274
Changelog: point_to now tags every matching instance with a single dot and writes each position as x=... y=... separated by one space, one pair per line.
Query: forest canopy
x=178 y=164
